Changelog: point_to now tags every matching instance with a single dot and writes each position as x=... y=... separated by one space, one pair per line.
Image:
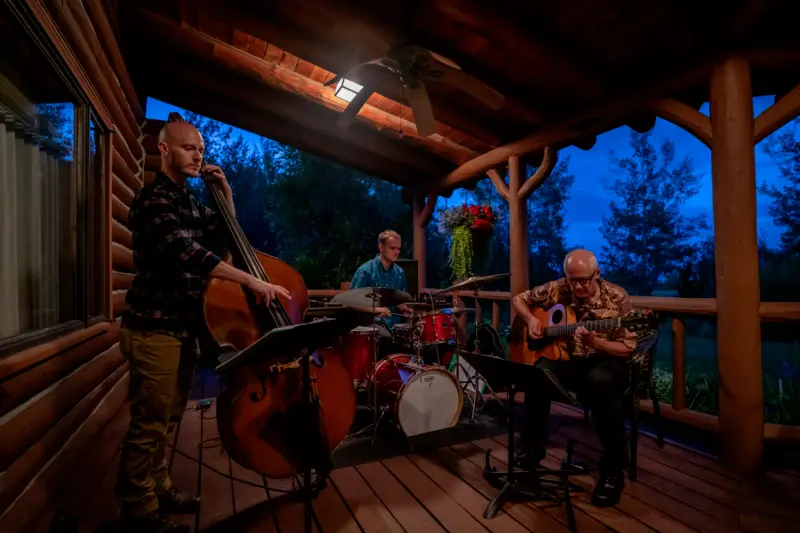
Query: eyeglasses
x=582 y=281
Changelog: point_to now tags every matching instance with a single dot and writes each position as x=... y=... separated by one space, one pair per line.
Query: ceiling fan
x=413 y=65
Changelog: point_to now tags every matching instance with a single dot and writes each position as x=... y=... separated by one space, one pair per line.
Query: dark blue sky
x=590 y=194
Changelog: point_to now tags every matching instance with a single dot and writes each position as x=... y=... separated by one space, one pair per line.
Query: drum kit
x=421 y=384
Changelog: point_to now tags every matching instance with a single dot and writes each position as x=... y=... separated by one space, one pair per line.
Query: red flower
x=488 y=212
x=482 y=225
x=474 y=210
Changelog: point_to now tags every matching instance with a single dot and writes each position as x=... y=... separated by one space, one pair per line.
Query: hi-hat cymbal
x=367 y=298
x=473 y=282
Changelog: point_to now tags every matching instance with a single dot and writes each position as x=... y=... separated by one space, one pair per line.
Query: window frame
x=89 y=292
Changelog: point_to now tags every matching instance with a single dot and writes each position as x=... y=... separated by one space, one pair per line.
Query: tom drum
x=437 y=328
x=357 y=350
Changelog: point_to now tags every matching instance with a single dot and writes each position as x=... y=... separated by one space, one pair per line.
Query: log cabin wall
x=57 y=395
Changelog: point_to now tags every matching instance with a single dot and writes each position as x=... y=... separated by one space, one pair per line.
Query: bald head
x=580 y=264
x=580 y=267
x=178 y=132
x=181 y=147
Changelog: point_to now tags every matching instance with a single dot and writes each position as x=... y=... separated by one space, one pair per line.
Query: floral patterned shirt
x=611 y=301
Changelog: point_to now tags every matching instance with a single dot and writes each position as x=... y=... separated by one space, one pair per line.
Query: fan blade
x=344 y=120
x=417 y=97
x=458 y=78
x=444 y=60
x=350 y=73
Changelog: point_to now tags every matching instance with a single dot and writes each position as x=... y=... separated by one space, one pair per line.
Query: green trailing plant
x=468 y=226
x=461 y=252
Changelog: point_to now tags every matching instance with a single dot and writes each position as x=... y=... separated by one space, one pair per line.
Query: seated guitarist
x=597 y=368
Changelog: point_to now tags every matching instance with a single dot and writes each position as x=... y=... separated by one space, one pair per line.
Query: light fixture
x=347 y=89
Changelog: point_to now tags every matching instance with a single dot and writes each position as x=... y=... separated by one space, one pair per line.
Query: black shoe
x=608 y=490
x=154 y=523
x=173 y=501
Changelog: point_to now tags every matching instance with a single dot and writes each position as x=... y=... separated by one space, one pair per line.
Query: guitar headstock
x=640 y=320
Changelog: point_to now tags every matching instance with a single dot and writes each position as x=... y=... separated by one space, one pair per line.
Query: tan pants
x=162 y=367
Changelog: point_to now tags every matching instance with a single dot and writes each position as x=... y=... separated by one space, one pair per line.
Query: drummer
x=383 y=272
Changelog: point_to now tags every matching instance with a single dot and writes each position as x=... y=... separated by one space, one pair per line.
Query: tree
x=328 y=217
x=784 y=149
x=647 y=237
x=547 y=226
x=56 y=123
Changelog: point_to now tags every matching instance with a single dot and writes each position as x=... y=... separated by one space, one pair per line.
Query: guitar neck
x=591 y=325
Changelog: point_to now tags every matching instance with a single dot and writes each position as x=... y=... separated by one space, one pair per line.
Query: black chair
x=640 y=387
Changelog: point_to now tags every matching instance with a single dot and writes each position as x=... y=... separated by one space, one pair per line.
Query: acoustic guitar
x=558 y=324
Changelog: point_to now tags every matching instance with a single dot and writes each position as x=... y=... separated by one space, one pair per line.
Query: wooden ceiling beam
x=306 y=116
x=599 y=118
x=262 y=20
x=379 y=29
x=204 y=47
x=222 y=107
x=499 y=26
x=247 y=82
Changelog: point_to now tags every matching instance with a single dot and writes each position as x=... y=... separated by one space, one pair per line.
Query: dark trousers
x=600 y=382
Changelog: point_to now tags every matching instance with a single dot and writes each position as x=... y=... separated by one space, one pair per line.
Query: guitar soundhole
x=557 y=317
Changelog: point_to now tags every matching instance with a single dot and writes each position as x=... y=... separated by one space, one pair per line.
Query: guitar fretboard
x=592 y=325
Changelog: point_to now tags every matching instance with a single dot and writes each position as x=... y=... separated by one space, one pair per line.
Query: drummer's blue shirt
x=374 y=274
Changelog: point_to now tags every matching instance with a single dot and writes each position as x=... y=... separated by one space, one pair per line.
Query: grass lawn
x=781 y=371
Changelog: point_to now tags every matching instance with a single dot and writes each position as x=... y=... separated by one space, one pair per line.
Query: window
x=51 y=189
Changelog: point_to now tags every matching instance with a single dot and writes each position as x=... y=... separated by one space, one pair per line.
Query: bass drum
x=421 y=398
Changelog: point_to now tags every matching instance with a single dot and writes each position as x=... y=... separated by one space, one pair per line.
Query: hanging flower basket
x=470 y=227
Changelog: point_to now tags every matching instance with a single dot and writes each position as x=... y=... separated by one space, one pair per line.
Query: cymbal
x=365 y=298
x=473 y=282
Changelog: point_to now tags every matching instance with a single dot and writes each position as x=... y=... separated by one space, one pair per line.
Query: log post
x=741 y=407
x=517 y=230
x=678 y=364
x=423 y=212
x=517 y=193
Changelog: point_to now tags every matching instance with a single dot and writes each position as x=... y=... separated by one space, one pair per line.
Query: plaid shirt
x=173 y=239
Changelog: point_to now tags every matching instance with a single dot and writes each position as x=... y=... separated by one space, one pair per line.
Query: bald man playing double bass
x=178 y=244
x=597 y=368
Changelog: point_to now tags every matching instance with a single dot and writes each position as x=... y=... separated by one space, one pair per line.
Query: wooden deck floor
x=678 y=490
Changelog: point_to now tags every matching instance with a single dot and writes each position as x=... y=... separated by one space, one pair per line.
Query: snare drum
x=357 y=351
x=437 y=328
x=421 y=398
x=401 y=334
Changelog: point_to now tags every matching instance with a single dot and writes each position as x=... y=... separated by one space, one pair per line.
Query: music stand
x=515 y=377
x=300 y=339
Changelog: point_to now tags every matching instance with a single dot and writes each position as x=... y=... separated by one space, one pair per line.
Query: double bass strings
x=277 y=312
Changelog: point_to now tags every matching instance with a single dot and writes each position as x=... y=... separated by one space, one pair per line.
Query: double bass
x=261 y=417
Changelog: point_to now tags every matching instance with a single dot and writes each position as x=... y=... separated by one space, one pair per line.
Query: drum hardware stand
x=476 y=349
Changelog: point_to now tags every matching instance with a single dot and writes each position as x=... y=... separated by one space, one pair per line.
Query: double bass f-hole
x=262 y=379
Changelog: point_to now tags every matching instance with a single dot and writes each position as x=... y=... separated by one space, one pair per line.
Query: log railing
x=679 y=309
